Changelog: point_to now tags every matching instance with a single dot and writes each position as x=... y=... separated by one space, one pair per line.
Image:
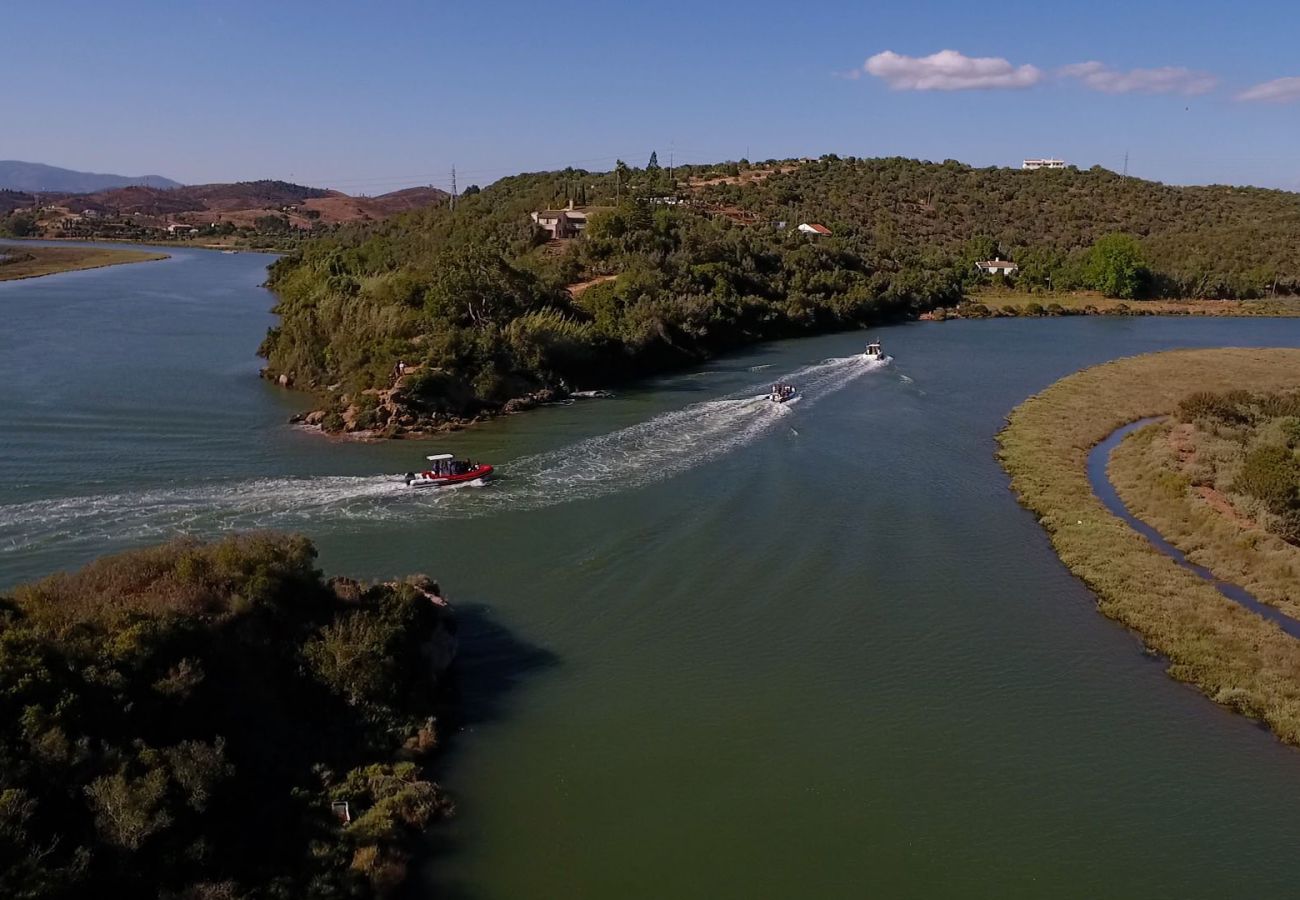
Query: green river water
x=712 y=648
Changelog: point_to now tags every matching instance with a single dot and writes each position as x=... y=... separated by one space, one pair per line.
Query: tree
x=19 y=225
x=653 y=165
x=1117 y=267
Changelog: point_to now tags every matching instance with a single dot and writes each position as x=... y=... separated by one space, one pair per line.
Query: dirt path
x=578 y=287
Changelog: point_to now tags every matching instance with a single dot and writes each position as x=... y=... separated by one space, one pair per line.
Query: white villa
x=997 y=267
x=1043 y=164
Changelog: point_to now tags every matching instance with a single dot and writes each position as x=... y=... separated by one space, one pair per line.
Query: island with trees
x=1219 y=478
x=216 y=721
x=489 y=311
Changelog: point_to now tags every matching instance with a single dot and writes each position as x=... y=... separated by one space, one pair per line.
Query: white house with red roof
x=814 y=228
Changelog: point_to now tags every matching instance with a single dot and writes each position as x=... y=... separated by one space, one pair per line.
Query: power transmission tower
x=1126 y=164
x=453 y=187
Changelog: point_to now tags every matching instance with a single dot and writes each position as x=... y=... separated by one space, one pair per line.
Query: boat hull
x=430 y=480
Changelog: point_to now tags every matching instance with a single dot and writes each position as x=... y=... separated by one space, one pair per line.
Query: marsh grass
x=1234 y=656
x=1024 y=303
x=33 y=262
x=1145 y=472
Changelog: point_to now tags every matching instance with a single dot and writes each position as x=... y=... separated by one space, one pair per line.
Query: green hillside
x=678 y=267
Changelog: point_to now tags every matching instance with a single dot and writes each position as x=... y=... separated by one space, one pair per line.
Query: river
x=712 y=648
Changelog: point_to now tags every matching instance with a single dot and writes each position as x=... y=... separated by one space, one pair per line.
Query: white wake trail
x=632 y=457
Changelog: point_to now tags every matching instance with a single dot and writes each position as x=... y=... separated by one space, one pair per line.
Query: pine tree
x=654 y=162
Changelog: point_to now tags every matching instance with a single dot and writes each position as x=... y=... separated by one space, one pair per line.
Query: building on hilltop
x=1043 y=164
x=814 y=228
x=997 y=267
x=561 y=223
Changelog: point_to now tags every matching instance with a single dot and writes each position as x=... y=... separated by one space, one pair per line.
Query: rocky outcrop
x=399 y=411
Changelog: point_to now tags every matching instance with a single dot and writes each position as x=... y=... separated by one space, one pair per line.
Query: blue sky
x=375 y=96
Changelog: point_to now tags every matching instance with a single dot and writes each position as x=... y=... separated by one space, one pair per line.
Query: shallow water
x=713 y=648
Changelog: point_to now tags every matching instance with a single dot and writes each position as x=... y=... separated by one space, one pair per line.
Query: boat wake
x=633 y=457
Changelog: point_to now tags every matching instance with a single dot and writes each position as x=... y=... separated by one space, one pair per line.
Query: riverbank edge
x=75 y=264
x=990 y=304
x=1235 y=550
x=421 y=426
x=137 y=242
x=1234 y=657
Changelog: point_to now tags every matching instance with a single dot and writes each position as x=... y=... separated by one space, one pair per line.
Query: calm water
x=713 y=648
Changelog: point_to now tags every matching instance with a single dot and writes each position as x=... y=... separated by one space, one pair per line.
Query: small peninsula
x=1235 y=657
x=548 y=282
x=33 y=262
x=216 y=720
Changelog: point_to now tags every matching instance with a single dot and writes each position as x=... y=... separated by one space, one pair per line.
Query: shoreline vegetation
x=993 y=304
x=217 y=720
x=19 y=262
x=1221 y=483
x=640 y=271
x=1233 y=656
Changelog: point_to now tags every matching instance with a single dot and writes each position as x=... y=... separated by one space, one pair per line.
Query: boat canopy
x=438 y=456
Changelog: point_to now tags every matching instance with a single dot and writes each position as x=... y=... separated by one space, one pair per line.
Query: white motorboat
x=782 y=393
x=874 y=353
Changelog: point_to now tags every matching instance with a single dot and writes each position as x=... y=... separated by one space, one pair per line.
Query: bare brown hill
x=242 y=202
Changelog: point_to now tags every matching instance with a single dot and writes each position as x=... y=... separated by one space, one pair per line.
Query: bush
x=1270 y=474
x=170 y=719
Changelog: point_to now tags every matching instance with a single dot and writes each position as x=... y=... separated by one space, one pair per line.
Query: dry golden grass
x=1234 y=656
x=33 y=262
x=1154 y=485
x=1092 y=302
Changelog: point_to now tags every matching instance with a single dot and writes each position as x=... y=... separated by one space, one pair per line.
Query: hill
x=216 y=721
x=204 y=203
x=16 y=175
x=476 y=300
x=265 y=209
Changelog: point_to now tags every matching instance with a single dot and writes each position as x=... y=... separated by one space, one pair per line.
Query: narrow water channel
x=1099 y=461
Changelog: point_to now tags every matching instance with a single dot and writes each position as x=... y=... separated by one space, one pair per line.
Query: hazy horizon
x=369 y=101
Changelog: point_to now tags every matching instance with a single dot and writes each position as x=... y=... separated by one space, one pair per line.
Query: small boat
x=445 y=470
x=230 y=251
x=782 y=392
x=591 y=395
x=874 y=353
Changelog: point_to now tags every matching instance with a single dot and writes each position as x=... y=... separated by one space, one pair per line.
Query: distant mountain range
x=16 y=175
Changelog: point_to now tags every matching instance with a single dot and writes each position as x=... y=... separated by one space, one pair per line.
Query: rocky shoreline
x=391 y=414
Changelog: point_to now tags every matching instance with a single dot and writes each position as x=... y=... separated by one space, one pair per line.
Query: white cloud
x=949 y=70
x=1279 y=90
x=1165 y=80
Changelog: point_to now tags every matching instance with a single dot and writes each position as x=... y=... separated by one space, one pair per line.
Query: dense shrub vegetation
x=177 y=722
x=681 y=267
x=1249 y=447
